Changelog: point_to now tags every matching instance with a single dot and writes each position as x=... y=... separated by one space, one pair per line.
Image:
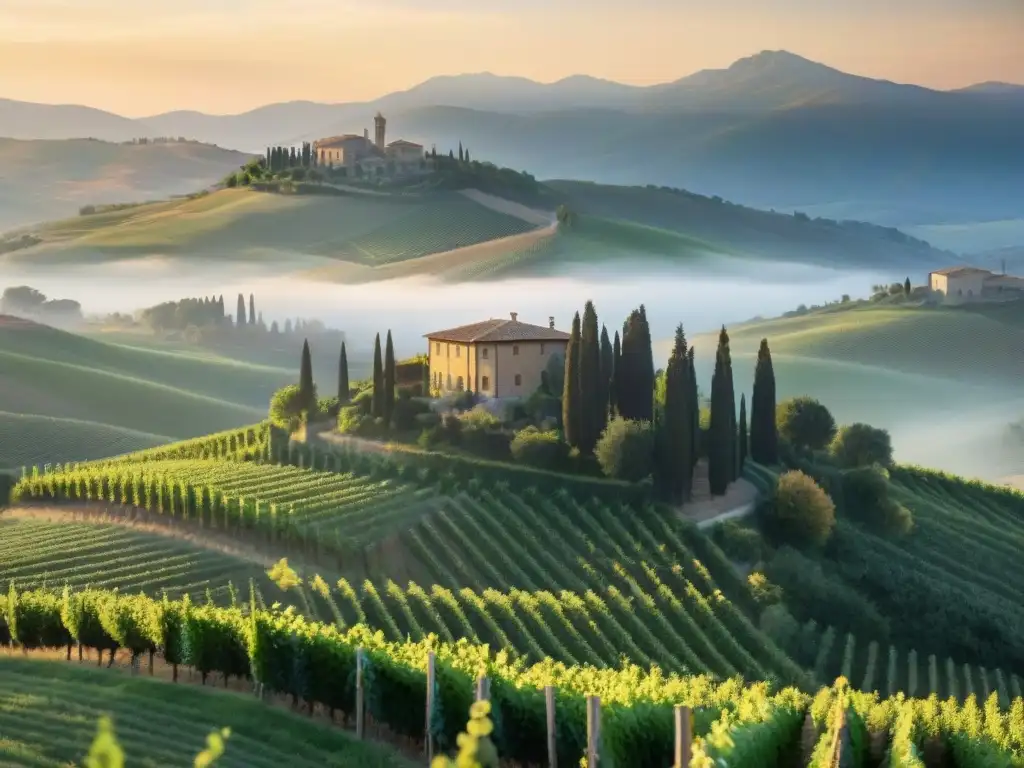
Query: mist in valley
x=958 y=427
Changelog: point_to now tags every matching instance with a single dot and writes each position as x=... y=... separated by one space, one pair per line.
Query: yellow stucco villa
x=493 y=358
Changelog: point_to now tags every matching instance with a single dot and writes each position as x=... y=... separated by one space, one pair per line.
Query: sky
x=141 y=57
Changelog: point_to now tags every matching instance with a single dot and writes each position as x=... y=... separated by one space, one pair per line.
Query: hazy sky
x=139 y=57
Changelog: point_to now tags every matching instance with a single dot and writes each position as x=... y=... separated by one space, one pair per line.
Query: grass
x=50 y=179
x=28 y=440
x=117 y=396
x=49 y=711
x=248 y=225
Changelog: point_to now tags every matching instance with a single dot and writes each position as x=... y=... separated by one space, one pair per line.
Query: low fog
x=701 y=300
x=918 y=411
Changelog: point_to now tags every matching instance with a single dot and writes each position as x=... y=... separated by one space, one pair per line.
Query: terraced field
x=49 y=712
x=27 y=440
x=53 y=552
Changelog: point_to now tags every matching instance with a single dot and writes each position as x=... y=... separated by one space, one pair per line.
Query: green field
x=49 y=712
x=67 y=397
x=245 y=225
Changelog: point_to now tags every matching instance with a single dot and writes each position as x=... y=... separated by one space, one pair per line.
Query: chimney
x=514 y=316
x=551 y=323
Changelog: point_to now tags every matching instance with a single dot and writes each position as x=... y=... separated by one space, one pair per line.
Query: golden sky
x=140 y=57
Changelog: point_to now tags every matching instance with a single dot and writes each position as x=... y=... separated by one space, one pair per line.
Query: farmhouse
x=965 y=284
x=376 y=157
x=494 y=358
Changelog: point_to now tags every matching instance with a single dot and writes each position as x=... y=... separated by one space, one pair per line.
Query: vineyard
x=26 y=440
x=48 y=714
x=316 y=665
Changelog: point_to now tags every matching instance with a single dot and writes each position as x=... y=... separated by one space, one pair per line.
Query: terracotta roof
x=498 y=330
x=404 y=143
x=337 y=141
x=953 y=271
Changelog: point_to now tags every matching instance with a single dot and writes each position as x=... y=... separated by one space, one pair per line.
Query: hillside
x=359 y=237
x=67 y=397
x=42 y=180
x=58 y=705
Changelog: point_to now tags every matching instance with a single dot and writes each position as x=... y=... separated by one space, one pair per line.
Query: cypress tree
x=252 y=310
x=743 y=433
x=377 y=402
x=906 y=287
x=730 y=395
x=389 y=379
x=607 y=369
x=307 y=391
x=613 y=378
x=240 y=311
x=647 y=374
x=694 y=397
x=764 y=438
x=571 y=388
x=722 y=431
x=674 y=463
x=636 y=373
x=589 y=378
x=343 y=375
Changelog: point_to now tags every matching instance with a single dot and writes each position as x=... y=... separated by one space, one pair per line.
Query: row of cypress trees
x=307 y=388
x=383 y=403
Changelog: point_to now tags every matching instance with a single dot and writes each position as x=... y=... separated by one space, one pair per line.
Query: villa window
x=437 y=347
x=542 y=347
x=449 y=381
x=515 y=349
x=483 y=354
x=459 y=385
x=457 y=350
x=519 y=380
x=485 y=384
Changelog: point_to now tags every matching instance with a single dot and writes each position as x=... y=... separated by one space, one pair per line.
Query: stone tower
x=379 y=124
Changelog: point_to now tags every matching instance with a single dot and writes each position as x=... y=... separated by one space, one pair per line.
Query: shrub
x=805 y=423
x=763 y=590
x=625 y=450
x=364 y=400
x=407 y=412
x=801 y=511
x=539 y=448
x=329 y=406
x=860 y=445
x=866 y=500
x=738 y=542
x=286 y=408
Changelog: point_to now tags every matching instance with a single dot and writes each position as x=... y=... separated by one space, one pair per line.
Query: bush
x=805 y=423
x=364 y=400
x=539 y=448
x=738 y=542
x=286 y=408
x=860 y=445
x=407 y=412
x=330 y=406
x=866 y=500
x=626 y=450
x=801 y=511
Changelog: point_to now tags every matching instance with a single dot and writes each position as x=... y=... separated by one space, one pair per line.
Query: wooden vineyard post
x=593 y=730
x=684 y=737
x=549 y=701
x=483 y=688
x=430 y=706
x=360 y=701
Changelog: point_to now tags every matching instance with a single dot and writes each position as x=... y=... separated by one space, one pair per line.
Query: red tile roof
x=498 y=330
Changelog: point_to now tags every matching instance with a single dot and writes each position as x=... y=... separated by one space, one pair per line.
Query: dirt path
x=510 y=208
x=706 y=510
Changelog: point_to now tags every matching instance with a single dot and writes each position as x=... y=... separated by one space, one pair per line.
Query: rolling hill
x=772 y=130
x=355 y=237
x=42 y=180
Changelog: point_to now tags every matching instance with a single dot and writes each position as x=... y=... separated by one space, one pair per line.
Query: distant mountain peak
x=775 y=58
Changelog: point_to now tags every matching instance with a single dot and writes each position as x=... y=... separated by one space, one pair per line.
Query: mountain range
x=773 y=130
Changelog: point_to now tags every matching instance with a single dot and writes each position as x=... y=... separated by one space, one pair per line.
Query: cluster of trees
x=25 y=301
x=284 y=158
x=638 y=422
x=204 y=312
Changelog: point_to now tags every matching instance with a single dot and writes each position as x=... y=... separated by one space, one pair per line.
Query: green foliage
x=475 y=747
x=861 y=445
x=801 y=511
x=571 y=404
x=738 y=541
x=805 y=423
x=722 y=450
x=287 y=408
x=626 y=450
x=539 y=448
x=866 y=499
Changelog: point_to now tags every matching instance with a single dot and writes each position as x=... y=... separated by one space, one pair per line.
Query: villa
x=494 y=358
x=359 y=154
x=965 y=284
